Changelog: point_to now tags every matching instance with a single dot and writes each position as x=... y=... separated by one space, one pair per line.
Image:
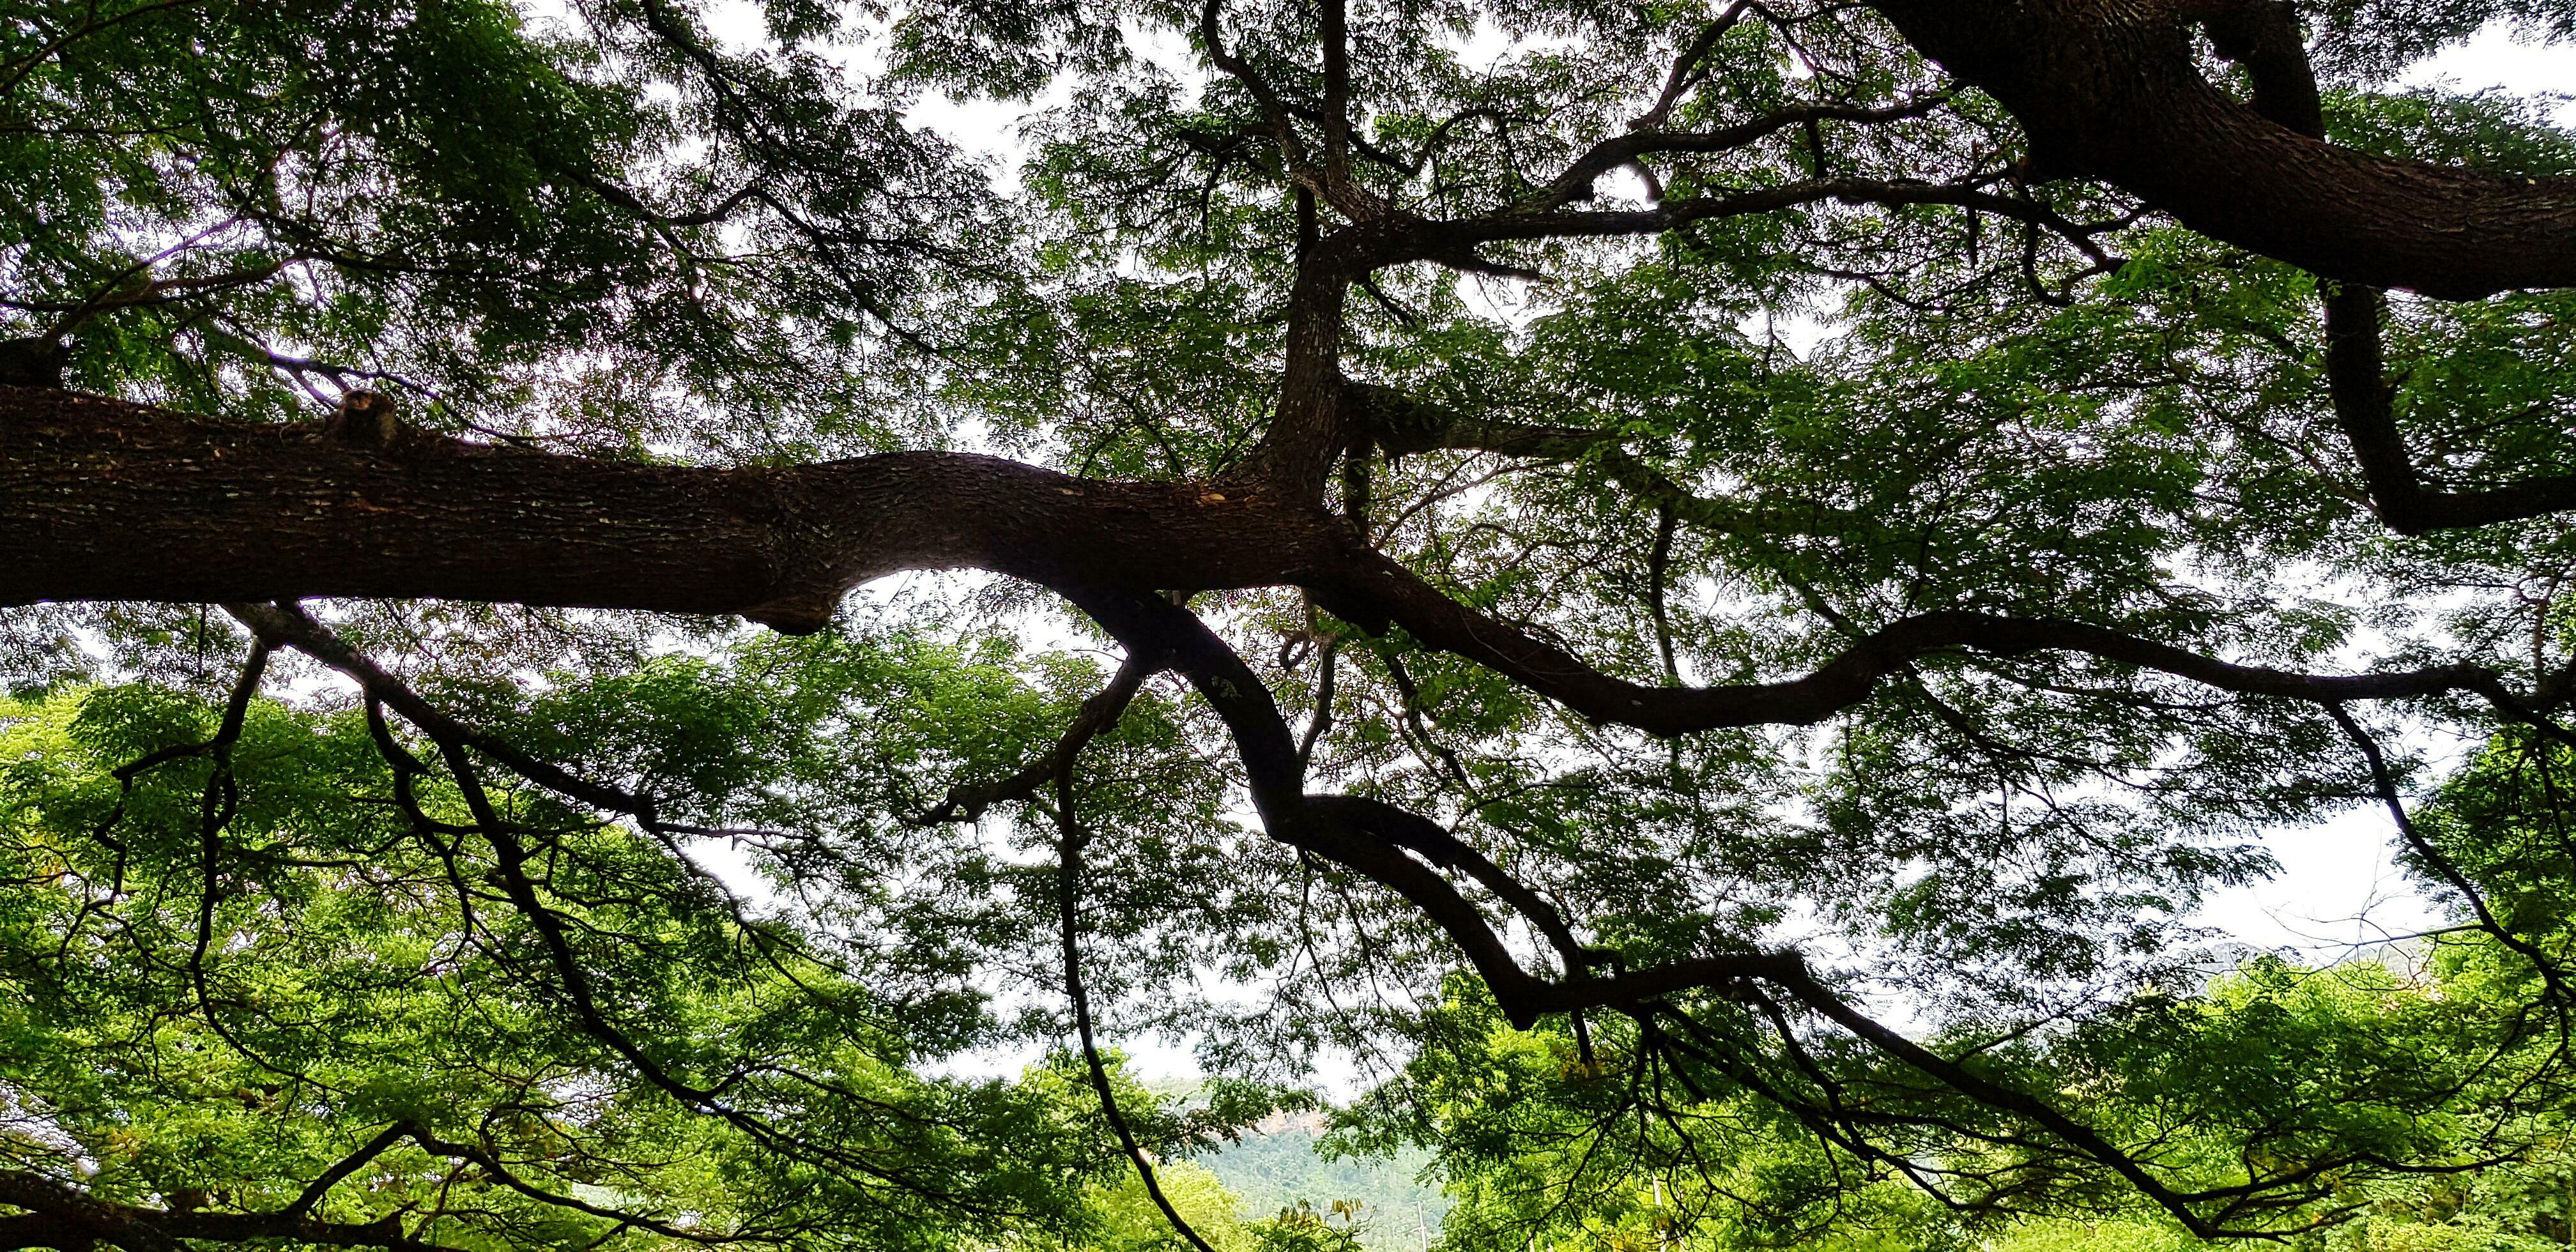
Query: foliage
x=416 y=924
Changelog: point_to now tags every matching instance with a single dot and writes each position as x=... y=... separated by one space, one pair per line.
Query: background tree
x=1721 y=789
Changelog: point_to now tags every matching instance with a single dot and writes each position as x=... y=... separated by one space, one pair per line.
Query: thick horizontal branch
x=106 y=500
x=59 y=1215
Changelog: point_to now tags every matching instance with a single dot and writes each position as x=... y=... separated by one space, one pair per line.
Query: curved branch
x=2108 y=89
x=1276 y=777
x=1686 y=72
x=2263 y=37
x=2356 y=379
x=1389 y=593
x=1609 y=154
x=1326 y=825
x=2383 y=785
x=1098 y=714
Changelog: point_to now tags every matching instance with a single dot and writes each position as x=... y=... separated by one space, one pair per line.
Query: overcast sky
x=2337 y=886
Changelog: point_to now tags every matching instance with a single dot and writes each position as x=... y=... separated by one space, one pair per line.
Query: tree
x=1786 y=774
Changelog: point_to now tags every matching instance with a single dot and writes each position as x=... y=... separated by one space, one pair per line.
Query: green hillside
x=1283 y=1167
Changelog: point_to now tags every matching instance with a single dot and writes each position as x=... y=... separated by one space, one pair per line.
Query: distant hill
x=1277 y=1166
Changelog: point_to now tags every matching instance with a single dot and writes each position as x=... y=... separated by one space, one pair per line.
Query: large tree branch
x=107 y=500
x=376 y=518
x=2262 y=36
x=115 y=501
x=61 y=1216
x=2108 y=89
x=1366 y=836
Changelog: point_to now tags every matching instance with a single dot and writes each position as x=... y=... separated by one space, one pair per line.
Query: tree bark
x=108 y=500
x=2108 y=89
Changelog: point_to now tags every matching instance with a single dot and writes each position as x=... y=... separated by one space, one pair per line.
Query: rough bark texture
x=2108 y=89
x=107 y=500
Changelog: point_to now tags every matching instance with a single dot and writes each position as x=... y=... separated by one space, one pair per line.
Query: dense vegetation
x=614 y=645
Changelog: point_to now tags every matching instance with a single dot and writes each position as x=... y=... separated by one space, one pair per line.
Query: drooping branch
x=2383 y=783
x=1365 y=836
x=1371 y=837
x=1071 y=837
x=1276 y=775
x=2357 y=381
x=522 y=886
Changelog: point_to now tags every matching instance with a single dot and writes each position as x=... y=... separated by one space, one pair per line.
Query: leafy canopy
x=579 y=928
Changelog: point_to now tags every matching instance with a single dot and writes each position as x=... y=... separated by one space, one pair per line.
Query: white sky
x=2494 y=59
x=2337 y=885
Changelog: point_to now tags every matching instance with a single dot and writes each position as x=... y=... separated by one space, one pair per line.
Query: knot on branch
x=365 y=419
x=1395 y=422
x=33 y=362
x=1411 y=831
